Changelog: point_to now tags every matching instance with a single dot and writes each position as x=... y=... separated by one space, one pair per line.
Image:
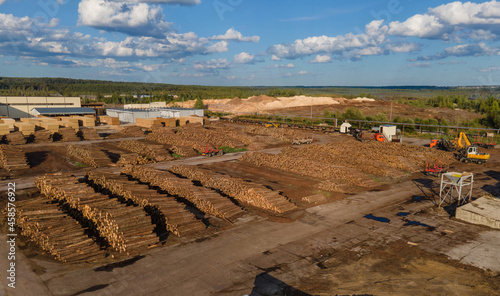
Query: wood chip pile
x=91 y=157
x=43 y=136
x=90 y=134
x=163 y=208
x=13 y=158
x=126 y=228
x=44 y=224
x=154 y=152
x=15 y=138
x=68 y=134
x=206 y=200
x=251 y=194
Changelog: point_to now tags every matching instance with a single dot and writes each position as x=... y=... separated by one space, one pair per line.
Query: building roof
x=62 y=111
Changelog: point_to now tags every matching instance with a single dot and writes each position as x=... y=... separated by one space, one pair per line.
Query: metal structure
x=456 y=186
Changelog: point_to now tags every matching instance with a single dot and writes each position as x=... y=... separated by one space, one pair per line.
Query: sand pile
x=363 y=100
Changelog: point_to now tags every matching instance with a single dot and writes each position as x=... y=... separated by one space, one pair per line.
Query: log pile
x=132 y=159
x=206 y=200
x=55 y=232
x=125 y=228
x=282 y=134
x=43 y=136
x=15 y=138
x=128 y=132
x=91 y=157
x=251 y=194
x=178 y=144
x=164 y=209
x=154 y=152
x=90 y=134
x=68 y=134
x=12 y=158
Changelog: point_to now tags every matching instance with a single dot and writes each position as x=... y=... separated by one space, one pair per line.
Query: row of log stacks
x=164 y=209
x=12 y=158
x=252 y=194
x=128 y=132
x=42 y=136
x=67 y=134
x=206 y=200
x=15 y=138
x=283 y=134
x=91 y=157
x=152 y=151
x=167 y=136
x=89 y=134
x=125 y=228
x=131 y=159
x=44 y=224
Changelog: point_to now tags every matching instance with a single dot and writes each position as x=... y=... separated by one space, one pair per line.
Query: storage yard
x=312 y=219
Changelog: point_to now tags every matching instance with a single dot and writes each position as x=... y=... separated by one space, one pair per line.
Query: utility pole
x=391 y=113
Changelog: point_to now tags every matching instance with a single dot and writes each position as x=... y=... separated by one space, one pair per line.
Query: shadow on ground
x=267 y=285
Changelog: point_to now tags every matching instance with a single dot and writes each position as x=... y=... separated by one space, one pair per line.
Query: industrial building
x=130 y=115
x=151 y=105
x=20 y=107
x=62 y=111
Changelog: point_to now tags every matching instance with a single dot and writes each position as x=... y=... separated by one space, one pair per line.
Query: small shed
x=389 y=131
x=344 y=128
x=62 y=111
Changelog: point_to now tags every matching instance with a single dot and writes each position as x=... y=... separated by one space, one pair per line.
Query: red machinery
x=486 y=143
x=435 y=169
x=379 y=137
x=211 y=151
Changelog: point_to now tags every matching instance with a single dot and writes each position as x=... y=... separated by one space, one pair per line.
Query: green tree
x=353 y=113
x=199 y=104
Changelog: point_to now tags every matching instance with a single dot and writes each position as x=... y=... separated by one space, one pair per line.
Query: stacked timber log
x=164 y=209
x=125 y=228
x=204 y=199
x=15 y=138
x=152 y=151
x=128 y=132
x=251 y=194
x=13 y=158
x=68 y=134
x=91 y=157
x=43 y=136
x=283 y=134
x=90 y=134
x=179 y=144
x=44 y=224
x=131 y=159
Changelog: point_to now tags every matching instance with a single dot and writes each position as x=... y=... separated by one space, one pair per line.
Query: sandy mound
x=260 y=99
x=235 y=102
x=364 y=100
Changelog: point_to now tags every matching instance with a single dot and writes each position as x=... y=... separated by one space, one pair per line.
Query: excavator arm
x=464 y=137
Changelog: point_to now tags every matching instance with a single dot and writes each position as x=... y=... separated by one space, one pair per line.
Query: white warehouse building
x=130 y=115
x=20 y=107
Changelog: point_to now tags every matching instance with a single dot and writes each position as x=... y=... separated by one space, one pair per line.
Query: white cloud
x=138 y=19
x=233 y=35
x=2 y=2
x=289 y=65
x=320 y=59
x=244 y=58
x=275 y=58
x=303 y=72
x=403 y=47
x=213 y=66
x=218 y=47
x=490 y=69
x=419 y=65
x=463 y=50
x=374 y=34
x=453 y=20
x=181 y=2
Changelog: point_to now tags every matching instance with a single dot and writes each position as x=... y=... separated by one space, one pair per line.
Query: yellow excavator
x=469 y=152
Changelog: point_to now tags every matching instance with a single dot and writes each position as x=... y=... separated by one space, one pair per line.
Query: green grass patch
x=227 y=149
x=80 y=165
x=176 y=156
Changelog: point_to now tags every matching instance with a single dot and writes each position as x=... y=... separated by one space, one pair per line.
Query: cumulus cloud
x=233 y=35
x=244 y=58
x=2 y=2
x=374 y=35
x=275 y=58
x=403 y=47
x=289 y=65
x=453 y=20
x=321 y=59
x=180 y=2
x=419 y=65
x=138 y=19
x=213 y=66
x=463 y=50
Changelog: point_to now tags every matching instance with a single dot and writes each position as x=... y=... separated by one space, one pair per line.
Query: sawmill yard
x=139 y=211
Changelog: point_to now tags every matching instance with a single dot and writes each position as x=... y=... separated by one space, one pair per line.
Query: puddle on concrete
x=417 y=198
x=380 y=219
x=416 y=223
x=402 y=214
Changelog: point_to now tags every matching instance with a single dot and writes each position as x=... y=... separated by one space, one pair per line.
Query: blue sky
x=254 y=42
